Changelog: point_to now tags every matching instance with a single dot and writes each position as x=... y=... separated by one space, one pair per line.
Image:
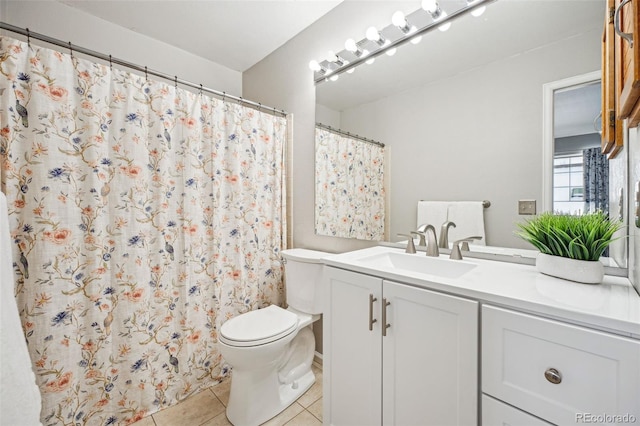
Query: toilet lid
x=259 y=327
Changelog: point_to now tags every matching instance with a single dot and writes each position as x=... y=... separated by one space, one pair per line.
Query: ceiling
x=234 y=33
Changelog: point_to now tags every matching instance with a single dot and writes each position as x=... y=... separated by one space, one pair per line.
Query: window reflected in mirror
x=580 y=171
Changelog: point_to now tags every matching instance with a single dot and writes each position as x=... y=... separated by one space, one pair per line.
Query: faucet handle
x=411 y=248
x=422 y=241
x=456 y=254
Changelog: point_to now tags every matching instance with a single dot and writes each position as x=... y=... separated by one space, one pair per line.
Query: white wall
x=473 y=136
x=60 y=21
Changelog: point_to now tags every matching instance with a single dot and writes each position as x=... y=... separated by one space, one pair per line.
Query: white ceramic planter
x=582 y=271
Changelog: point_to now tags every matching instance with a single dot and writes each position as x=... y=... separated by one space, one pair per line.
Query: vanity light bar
x=389 y=38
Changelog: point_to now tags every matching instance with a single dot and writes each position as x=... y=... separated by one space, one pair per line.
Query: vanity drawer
x=497 y=413
x=559 y=372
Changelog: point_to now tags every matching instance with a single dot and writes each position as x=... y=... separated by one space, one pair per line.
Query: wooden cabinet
x=627 y=59
x=558 y=372
x=612 y=137
x=398 y=355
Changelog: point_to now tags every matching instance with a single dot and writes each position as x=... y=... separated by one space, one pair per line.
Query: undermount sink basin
x=419 y=263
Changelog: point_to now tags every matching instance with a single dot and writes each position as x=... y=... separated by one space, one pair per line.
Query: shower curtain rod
x=351 y=135
x=108 y=58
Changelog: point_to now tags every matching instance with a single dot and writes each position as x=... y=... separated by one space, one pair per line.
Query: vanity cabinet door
x=430 y=358
x=628 y=58
x=559 y=372
x=352 y=339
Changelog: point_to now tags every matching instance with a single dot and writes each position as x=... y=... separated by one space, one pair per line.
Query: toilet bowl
x=271 y=350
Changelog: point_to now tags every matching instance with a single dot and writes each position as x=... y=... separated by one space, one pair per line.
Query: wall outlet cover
x=526 y=207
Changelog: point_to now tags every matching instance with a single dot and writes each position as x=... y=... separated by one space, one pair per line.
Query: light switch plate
x=526 y=207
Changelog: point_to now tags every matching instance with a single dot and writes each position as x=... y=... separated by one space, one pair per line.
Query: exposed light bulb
x=314 y=65
x=430 y=6
x=372 y=34
x=351 y=45
x=351 y=70
x=334 y=77
x=415 y=40
x=370 y=61
x=478 y=11
x=391 y=51
x=399 y=20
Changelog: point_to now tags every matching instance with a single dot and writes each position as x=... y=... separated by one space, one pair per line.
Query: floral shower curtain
x=596 y=180
x=143 y=216
x=350 y=200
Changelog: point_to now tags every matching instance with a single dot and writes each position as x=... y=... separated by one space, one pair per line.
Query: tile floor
x=207 y=408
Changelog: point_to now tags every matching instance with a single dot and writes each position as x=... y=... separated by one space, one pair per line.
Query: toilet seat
x=258 y=327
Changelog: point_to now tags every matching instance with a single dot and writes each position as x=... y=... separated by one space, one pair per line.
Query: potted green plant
x=570 y=246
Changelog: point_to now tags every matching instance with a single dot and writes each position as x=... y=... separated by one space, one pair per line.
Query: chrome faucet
x=432 y=241
x=444 y=234
x=456 y=254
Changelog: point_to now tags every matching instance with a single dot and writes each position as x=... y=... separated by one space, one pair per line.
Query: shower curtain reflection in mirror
x=350 y=196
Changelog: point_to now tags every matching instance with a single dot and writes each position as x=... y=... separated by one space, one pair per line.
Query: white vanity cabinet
x=396 y=354
x=561 y=373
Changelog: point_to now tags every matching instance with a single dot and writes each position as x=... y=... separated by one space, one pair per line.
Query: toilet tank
x=303 y=279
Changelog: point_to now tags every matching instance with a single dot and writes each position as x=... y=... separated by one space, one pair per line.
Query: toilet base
x=258 y=407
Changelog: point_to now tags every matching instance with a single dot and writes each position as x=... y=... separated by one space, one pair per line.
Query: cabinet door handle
x=385 y=303
x=371 y=319
x=553 y=376
x=616 y=24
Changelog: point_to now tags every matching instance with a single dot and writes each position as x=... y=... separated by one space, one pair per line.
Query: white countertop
x=612 y=306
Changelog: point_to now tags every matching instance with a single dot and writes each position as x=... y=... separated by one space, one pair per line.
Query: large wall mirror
x=461 y=112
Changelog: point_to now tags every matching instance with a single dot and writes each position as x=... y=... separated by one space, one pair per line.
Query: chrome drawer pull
x=385 y=303
x=553 y=376
x=371 y=319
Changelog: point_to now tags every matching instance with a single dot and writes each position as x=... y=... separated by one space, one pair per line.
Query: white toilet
x=271 y=349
